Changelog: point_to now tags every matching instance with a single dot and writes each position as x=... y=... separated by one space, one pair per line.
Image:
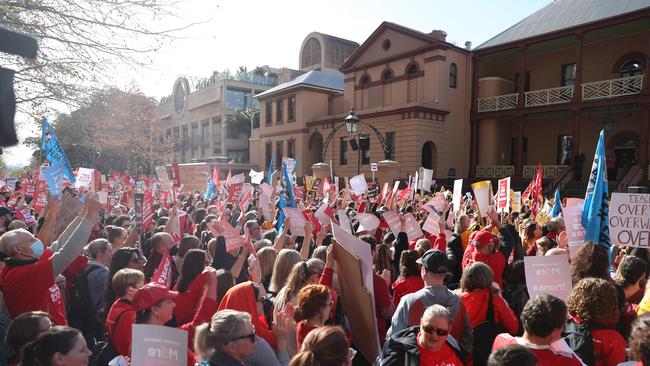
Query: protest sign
x=157 y=345
x=290 y=164
x=139 y=220
x=69 y=209
x=256 y=177
x=309 y=182
x=297 y=222
x=367 y=222
x=503 y=195
x=393 y=221
x=426 y=177
x=11 y=182
x=483 y=193
x=458 y=193
x=230 y=235
x=570 y=201
x=574 y=230
x=54 y=177
x=548 y=275
x=85 y=179
x=192 y=176
x=431 y=223
x=165 y=183
x=236 y=179
x=235 y=192
x=515 y=201
x=373 y=189
x=323 y=215
x=412 y=227
x=629 y=219
x=265 y=199
x=344 y=220
x=358 y=184
x=373 y=167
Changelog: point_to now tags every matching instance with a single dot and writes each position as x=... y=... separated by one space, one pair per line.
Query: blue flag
x=286 y=198
x=210 y=190
x=54 y=178
x=595 y=216
x=53 y=151
x=557 y=203
x=269 y=176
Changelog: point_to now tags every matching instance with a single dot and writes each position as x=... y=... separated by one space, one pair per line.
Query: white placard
x=629 y=219
x=426 y=178
x=575 y=232
x=392 y=219
x=373 y=167
x=358 y=184
x=458 y=193
x=344 y=220
x=84 y=178
x=256 y=177
x=367 y=222
x=297 y=222
x=158 y=345
x=548 y=275
x=412 y=227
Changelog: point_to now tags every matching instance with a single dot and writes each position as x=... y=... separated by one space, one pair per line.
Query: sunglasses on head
x=439 y=332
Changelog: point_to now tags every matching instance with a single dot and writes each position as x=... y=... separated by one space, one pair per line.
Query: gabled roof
x=564 y=14
x=316 y=79
x=377 y=33
x=335 y=39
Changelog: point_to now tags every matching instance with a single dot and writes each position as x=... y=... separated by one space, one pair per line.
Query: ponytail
x=305 y=358
x=202 y=341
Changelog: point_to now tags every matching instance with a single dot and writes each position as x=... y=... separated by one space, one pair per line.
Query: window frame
x=291 y=108
x=563 y=80
x=453 y=75
x=279 y=111
x=343 y=151
x=268 y=113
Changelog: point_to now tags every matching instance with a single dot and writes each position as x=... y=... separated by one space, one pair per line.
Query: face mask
x=37 y=248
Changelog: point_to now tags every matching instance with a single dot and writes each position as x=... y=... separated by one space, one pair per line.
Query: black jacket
x=455 y=258
x=401 y=349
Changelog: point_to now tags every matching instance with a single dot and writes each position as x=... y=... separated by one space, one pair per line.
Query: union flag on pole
x=534 y=191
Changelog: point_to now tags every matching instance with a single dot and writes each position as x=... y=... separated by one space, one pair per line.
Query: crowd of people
x=71 y=298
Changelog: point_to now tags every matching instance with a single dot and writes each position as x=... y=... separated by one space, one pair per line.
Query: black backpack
x=103 y=350
x=484 y=335
x=81 y=312
x=578 y=337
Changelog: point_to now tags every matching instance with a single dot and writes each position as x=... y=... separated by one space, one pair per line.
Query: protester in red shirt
x=325 y=346
x=191 y=285
x=121 y=315
x=427 y=344
x=154 y=305
x=512 y=355
x=639 y=341
x=543 y=319
x=476 y=289
x=593 y=301
x=484 y=247
x=313 y=308
x=409 y=280
x=31 y=266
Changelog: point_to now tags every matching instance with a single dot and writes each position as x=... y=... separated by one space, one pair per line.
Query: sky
x=255 y=33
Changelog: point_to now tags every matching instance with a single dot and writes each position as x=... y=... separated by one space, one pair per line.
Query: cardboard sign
x=515 y=203
x=344 y=221
x=297 y=222
x=85 y=179
x=503 y=195
x=431 y=223
x=358 y=184
x=165 y=183
x=232 y=237
x=548 y=275
x=323 y=216
x=193 y=176
x=426 y=178
x=367 y=222
x=265 y=199
x=393 y=221
x=483 y=193
x=309 y=182
x=629 y=219
x=236 y=179
x=256 y=177
x=157 y=345
x=574 y=230
x=412 y=227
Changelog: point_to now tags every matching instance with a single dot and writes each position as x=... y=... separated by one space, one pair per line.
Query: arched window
x=387 y=75
x=631 y=67
x=452 y=75
x=365 y=80
x=311 y=53
x=412 y=69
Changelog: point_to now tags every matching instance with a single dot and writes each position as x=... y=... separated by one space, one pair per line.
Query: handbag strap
x=490 y=309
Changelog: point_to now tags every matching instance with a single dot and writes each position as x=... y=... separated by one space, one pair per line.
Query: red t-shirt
x=445 y=357
x=546 y=355
x=120 y=333
x=609 y=347
x=382 y=301
x=302 y=329
x=403 y=287
x=187 y=303
x=31 y=288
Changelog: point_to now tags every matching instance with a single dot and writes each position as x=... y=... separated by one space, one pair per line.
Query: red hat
x=482 y=238
x=151 y=294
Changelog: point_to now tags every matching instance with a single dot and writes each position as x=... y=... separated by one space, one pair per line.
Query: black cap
x=434 y=261
x=5 y=211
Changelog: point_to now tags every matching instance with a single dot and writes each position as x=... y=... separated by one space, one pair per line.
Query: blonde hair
x=284 y=262
x=298 y=277
x=125 y=278
x=223 y=327
x=267 y=256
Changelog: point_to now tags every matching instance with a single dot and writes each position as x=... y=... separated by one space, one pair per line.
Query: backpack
x=484 y=335
x=81 y=312
x=104 y=350
x=578 y=337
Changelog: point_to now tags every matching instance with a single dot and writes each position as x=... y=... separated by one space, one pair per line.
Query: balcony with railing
x=612 y=88
x=597 y=90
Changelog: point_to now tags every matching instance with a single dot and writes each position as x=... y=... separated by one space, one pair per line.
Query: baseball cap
x=5 y=211
x=482 y=238
x=434 y=261
x=151 y=294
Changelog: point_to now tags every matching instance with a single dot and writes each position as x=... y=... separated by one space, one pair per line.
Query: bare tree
x=82 y=44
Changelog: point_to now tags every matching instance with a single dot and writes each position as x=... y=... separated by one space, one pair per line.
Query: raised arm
x=47 y=230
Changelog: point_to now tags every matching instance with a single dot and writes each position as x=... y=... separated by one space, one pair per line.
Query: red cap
x=151 y=294
x=482 y=238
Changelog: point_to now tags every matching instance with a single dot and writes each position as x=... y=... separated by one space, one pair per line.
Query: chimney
x=439 y=35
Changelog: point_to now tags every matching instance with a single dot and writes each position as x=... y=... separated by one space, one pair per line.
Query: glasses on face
x=250 y=337
x=351 y=353
x=438 y=331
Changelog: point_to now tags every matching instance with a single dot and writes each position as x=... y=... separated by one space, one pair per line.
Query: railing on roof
x=498 y=103
x=494 y=171
x=548 y=171
x=549 y=96
x=612 y=88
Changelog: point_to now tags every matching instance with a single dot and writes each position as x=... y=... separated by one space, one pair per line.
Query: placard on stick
x=156 y=345
x=629 y=219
